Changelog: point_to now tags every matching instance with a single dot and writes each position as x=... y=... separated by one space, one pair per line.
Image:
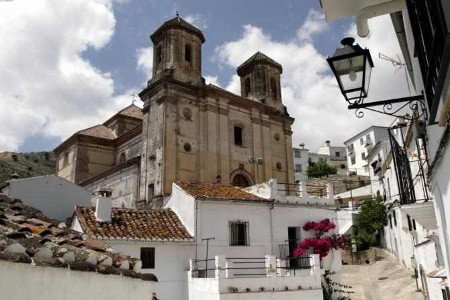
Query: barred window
x=148 y=258
x=239 y=233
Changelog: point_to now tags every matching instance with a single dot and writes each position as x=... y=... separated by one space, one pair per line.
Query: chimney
x=302 y=146
x=103 y=205
x=327 y=143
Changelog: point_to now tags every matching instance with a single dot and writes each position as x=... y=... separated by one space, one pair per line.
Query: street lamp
x=352 y=67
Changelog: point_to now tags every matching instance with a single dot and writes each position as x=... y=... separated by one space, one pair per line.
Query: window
x=273 y=88
x=122 y=158
x=352 y=160
x=414 y=224
x=343 y=166
x=66 y=159
x=298 y=168
x=239 y=233
x=247 y=87
x=150 y=192
x=395 y=218
x=361 y=141
x=238 y=135
x=363 y=156
x=187 y=53
x=390 y=221
x=297 y=153
x=148 y=258
x=409 y=223
x=158 y=54
x=337 y=154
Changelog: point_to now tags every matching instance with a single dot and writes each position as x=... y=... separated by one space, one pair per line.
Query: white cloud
x=310 y=92
x=209 y=79
x=145 y=60
x=197 y=20
x=46 y=86
x=315 y=23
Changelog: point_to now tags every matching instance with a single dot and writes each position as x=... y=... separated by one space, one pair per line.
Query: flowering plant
x=321 y=244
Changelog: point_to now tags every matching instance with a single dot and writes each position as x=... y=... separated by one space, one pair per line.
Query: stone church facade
x=187 y=130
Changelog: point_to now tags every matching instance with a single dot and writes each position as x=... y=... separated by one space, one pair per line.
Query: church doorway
x=240 y=180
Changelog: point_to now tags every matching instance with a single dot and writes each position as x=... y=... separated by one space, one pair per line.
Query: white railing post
x=315 y=264
x=281 y=267
x=330 y=191
x=271 y=265
x=273 y=185
x=228 y=271
x=220 y=266
x=303 y=193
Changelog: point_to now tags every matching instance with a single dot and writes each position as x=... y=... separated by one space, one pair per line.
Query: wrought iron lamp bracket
x=389 y=107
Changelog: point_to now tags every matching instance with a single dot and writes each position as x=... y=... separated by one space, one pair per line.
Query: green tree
x=369 y=223
x=320 y=169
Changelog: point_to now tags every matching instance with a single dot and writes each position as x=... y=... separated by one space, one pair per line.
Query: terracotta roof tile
x=131 y=111
x=217 y=191
x=153 y=224
x=100 y=131
x=26 y=236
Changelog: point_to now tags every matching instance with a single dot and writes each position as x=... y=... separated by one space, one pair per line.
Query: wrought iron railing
x=403 y=171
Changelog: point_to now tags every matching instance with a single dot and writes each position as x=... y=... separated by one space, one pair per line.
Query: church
x=187 y=130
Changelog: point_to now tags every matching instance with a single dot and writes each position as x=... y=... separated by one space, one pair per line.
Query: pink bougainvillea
x=322 y=226
x=321 y=244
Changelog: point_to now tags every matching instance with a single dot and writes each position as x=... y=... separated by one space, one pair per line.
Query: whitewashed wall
x=171 y=264
x=24 y=281
x=53 y=195
x=124 y=185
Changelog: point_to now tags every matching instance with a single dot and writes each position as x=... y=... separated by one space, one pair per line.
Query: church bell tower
x=260 y=80
x=177 y=48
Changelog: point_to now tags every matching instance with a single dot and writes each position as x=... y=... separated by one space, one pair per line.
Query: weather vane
x=133 y=98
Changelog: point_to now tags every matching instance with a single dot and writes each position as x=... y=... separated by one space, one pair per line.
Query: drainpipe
x=374 y=11
x=271 y=205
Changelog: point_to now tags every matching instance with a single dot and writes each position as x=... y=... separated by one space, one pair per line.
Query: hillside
x=25 y=164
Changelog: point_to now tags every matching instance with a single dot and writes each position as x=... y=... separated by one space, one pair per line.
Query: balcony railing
x=234 y=267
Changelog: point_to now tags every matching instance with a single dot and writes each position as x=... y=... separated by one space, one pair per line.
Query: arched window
x=187 y=53
x=150 y=192
x=240 y=180
x=273 y=88
x=247 y=87
x=122 y=158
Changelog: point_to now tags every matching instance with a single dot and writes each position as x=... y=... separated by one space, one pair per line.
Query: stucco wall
x=124 y=185
x=24 y=281
x=54 y=196
x=171 y=264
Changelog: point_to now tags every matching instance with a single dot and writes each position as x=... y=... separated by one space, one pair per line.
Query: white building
x=359 y=146
x=338 y=157
x=303 y=158
x=236 y=244
x=51 y=194
x=422 y=29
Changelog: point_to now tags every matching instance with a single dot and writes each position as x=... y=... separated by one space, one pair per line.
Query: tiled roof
x=131 y=111
x=99 y=131
x=217 y=191
x=27 y=236
x=258 y=57
x=181 y=23
x=132 y=224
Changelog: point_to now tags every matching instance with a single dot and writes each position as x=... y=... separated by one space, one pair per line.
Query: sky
x=66 y=65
